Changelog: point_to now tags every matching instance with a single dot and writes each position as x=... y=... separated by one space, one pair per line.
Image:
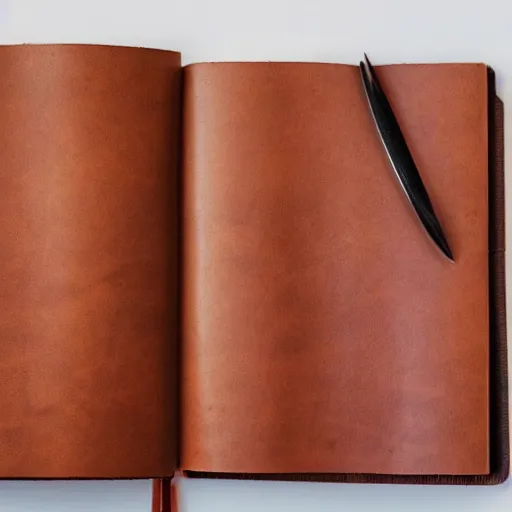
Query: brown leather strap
x=165 y=495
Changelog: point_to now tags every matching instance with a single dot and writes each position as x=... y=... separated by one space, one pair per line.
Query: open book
x=213 y=269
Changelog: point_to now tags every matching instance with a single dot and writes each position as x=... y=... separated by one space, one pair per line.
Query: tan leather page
x=88 y=261
x=323 y=331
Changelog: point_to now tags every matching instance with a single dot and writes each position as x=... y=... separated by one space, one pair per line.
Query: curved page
x=323 y=330
x=88 y=238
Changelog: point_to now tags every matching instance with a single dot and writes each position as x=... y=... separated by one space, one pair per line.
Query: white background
x=317 y=30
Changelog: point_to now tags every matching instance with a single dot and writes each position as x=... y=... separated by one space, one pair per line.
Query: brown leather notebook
x=213 y=269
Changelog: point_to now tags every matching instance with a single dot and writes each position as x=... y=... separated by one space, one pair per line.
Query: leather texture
x=89 y=261
x=499 y=421
x=498 y=371
x=322 y=331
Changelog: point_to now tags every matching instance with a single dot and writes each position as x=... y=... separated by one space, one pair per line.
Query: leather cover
x=324 y=338
x=89 y=261
x=312 y=295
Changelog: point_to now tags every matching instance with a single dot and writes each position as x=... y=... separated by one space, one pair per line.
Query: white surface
x=318 y=30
